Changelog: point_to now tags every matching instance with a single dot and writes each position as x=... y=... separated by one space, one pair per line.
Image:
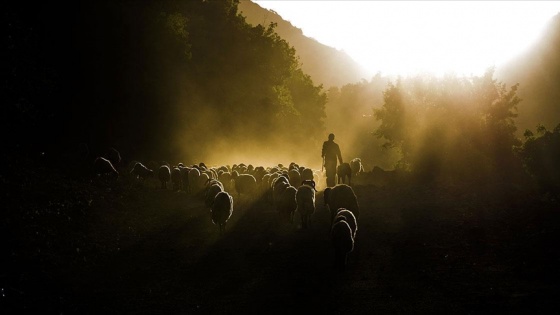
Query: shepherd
x=330 y=153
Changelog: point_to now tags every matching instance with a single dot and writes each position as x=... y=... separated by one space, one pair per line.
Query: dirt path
x=136 y=249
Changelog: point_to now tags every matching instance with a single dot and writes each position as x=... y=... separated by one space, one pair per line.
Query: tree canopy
x=173 y=79
x=451 y=127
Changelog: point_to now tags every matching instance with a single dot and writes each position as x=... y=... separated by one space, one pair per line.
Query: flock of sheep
x=289 y=190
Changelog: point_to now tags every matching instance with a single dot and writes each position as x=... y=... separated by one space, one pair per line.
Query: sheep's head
x=310 y=183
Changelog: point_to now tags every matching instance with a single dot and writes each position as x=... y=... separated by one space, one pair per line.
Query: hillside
x=538 y=73
x=326 y=65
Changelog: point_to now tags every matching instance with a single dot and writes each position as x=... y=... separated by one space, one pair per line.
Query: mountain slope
x=538 y=73
x=326 y=65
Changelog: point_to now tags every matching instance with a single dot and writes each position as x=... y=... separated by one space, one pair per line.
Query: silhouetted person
x=330 y=153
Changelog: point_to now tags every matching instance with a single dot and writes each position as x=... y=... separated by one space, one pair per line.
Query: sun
x=401 y=37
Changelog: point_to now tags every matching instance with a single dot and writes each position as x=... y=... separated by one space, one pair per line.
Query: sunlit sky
x=407 y=37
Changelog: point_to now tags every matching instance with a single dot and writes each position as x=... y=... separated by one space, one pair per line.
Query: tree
x=451 y=128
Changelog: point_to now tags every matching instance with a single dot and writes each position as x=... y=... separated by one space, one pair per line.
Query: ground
x=94 y=246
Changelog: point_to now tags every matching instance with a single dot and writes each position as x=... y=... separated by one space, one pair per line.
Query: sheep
x=225 y=178
x=259 y=174
x=104 y=167
x=185 y=178
x=310 y=183
x=278 y=190
x=114 y=156
x=164 y=175
x=294 y=177
x=194 y=175
x=201 y=184
x=265 y=182
x=212 y=192
x=141 y=172
x=356 y=166
x=277 y=187
x=287 y=204
x=245 y=184
x=344 y=171
x=305 y=198
x=307 y=174
x=341 y=196
x=176 y=178
x=345 y=215
x=221 y=210
x=343 y=242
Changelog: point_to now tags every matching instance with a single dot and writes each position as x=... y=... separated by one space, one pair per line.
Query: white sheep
x=356 y=166
x=221 y=210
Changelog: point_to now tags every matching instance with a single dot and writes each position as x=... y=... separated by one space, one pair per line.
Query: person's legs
x=330 y=167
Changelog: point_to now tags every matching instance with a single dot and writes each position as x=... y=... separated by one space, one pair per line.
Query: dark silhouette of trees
x=541 y=156
x=153 y=79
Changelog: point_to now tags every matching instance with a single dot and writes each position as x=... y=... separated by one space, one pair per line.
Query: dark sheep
x=185 y=178
x=245 y=184
x=310 y=183
x=164 y=175
x=294 y=177
x=346 y=215
x=344 y=171
x=221 y=210
x=341 y=196
x=287 y=204
x=176 y=179
x=307 y=174
x=305 y=198
x=213 y=190
x=141 y=172
x=343 y=242
x=114 y=156
x=104 y=167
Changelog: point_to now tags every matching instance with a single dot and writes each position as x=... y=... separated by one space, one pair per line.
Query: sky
x=407 y=37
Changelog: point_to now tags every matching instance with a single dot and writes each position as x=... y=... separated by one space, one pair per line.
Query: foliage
x=350 y=118
x=167 y=79
x=541 y=156
x=451 y=128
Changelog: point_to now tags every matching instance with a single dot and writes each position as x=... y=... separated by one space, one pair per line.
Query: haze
x=400 y=38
